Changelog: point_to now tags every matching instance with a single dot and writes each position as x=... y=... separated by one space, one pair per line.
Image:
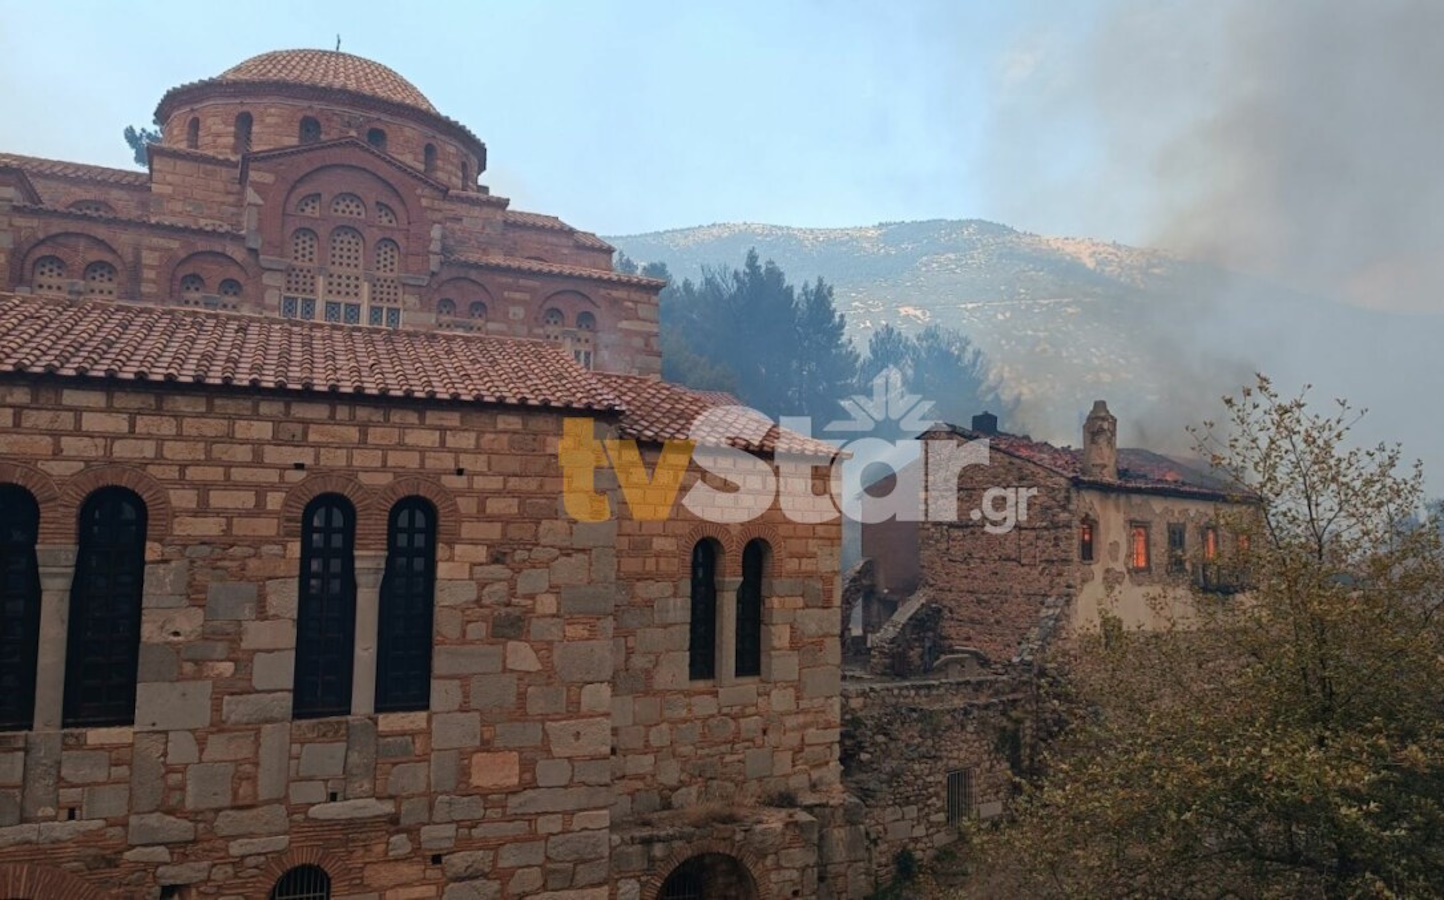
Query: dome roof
x=328 y=69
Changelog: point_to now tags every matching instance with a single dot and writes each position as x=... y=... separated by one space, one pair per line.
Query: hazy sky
x=621 y=117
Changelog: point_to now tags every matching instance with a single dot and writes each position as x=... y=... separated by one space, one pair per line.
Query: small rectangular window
x=1177 y=548
x=308 y=308
x=1085 y=540
x=289 y=307
x=1138 y=547
x=960 y=795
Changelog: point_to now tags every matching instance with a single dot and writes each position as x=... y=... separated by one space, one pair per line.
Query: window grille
x=103 y=644
x=749 y=610
x=325 y=615
x=1177 y=548
x=309 y=205
x=403 y=665
x=348 y=205
x=48 y=275
x=19 y=606
x=303 y=883
x=385 y=215
x=100 y=279
x=702 y=644
x=960 y=795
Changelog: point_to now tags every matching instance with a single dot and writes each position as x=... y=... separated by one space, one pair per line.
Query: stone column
x=727 y=629
x=57 y=569
x=369 y=569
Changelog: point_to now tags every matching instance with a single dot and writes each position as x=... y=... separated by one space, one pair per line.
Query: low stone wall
x=900 y=741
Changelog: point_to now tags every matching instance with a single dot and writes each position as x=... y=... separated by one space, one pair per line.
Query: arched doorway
x=709 y=876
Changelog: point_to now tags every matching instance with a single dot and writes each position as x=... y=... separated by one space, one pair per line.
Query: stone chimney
x=1100 y=443
x=985 y=423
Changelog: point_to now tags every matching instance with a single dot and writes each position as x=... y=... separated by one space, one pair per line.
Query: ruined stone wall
x=901 y=739
x=500 y=789
x=993 y=588
x=1151 y=598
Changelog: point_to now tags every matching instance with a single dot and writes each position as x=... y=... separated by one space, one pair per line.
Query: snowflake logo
x=890 y=402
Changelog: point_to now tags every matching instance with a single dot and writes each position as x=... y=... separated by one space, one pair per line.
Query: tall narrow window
x=403 y=663
x=243 y=134
x=299 y=299
x=749 y=610
x=193 y=134
x=19 y=607
x=326 y=609
x=1177 y=548
x=1085 y=540
x=344 y=281
x=429 y=159
x=702 y=642
x=310 y=130
x=1138 y=547
x=103 y=646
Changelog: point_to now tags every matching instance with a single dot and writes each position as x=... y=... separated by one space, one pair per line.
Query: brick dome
x=329 y=69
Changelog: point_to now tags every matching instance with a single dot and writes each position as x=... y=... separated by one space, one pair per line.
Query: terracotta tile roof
x=1138 y=469
x=514 y=264
x=157 y=221
x=523 y=219
x=104 y=340
x=329 y=69
x=57 y=168
x=661 y=411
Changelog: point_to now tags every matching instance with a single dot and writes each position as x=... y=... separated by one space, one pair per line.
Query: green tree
x=940 y=365
x=1288 y=742
x=140 y=141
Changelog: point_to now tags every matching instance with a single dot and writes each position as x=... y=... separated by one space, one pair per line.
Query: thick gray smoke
x=1301 y=141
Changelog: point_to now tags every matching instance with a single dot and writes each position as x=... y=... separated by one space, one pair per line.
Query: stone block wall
x=729 y=739
x=993 y=588
x=500 y=789
x=901 y=739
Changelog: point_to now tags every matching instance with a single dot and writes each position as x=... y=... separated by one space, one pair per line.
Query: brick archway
x=723 y=536
x=369 y=533
x=40 y=485
x=61 y=528
x=448 y=513
x=31 y=882
x=743 y=859
x=300 y=856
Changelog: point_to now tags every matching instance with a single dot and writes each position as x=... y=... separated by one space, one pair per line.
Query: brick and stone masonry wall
x=994 y=588
x=501 y=789
x=900 y=739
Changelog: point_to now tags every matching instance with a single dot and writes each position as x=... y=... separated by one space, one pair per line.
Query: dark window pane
x=403 y=665
x=19 y=606
x=749 y=610
x=702 y=645
x=325 y=614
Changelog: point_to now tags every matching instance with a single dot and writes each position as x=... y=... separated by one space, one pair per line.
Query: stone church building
x=294 y=607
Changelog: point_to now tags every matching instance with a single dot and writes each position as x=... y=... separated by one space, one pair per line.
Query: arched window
x=446 y=307
x=586 y=322
x=376 y=137
x=388 y=257
x=326 y=609
x=477 y=311
x=103 y=646
x=552 y=321
x=403 y=659
x=243 y=134
x=702 y=638
x=343 y=281
x=230 y=288
x=348 y=205
x=749 y=609
x=429 y=158
x=582 y=349
x=47 y=275
x=193 y=133
x=19 y=607
x=309 y=205
x=385 y=215
x=303 y=883
x=310 y=130
x=192 y=284
x=100 y=279
x=99 y=207
x=299 y=300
